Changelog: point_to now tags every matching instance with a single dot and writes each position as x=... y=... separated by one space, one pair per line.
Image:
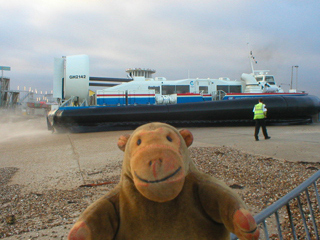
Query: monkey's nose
x=156 y=161
x=155 y=166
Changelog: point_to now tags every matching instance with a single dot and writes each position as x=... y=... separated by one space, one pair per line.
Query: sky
x=204 y=39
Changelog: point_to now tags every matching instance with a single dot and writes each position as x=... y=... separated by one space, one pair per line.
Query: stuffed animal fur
x=162 y=195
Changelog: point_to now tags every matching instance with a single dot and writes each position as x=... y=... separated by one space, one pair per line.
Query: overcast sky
x=205 y=38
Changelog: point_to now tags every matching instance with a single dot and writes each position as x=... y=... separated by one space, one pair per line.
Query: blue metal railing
x=299 y=198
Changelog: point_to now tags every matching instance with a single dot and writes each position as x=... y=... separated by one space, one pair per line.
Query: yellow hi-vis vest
x=258 y=111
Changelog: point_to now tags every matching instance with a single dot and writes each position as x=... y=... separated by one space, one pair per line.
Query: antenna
x=252 y=59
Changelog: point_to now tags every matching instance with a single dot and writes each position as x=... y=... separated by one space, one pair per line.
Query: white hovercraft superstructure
x=143 y=89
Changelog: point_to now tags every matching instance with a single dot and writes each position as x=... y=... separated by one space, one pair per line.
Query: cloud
x=207 y=39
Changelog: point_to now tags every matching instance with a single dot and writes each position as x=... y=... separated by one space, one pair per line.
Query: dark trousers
x=260 y=123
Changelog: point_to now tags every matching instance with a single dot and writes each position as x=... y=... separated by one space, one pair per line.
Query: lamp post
x=296 y=76
x=291 y=77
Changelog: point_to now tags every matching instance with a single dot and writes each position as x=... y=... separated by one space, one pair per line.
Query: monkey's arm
x=224 y=206
x=99 y=221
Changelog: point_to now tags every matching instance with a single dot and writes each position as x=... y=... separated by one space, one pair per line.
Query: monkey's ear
x=122 y=141
x=187 y=136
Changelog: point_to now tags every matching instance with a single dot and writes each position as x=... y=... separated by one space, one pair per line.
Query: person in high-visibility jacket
x=260 y=113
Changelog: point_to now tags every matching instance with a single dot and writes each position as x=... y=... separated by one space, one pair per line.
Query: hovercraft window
x=182 y=89
x=168 y=89
x=172 y=89
x=235 y=89
x=155 y=88
x=203 y=89
x=259 y=79
x=230 y=88
x=270 y=80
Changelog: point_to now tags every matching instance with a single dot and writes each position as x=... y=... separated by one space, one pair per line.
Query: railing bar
x=317 y=193
x=303 y=218
x=284 y=200
x=312 y=215
x=265 y=228
x=279 y=225
x=291 y=222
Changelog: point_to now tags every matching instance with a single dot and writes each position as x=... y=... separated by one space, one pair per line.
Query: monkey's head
x=157 y=160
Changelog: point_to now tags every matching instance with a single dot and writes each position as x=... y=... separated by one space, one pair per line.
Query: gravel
x=259 y=180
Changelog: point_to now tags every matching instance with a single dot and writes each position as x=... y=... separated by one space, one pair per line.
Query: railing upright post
x=303 y=218
x=265 y=228
x=312 y=215
x=317 y=193
x=291 y=221
x=278 y=225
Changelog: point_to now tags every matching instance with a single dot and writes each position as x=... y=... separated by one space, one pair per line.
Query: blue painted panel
x=139 y=100
x=122 y=101
x=207 y=98
x=111 y=101
x=189 y=99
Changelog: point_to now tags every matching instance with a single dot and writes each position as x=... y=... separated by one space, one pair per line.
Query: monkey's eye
x=169 y=138
x=139 y=142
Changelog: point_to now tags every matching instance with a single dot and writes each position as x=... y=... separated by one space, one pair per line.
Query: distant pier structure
x=28 y=101
x=8 y=98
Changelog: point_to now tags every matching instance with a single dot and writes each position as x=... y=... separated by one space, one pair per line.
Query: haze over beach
x=177 y=38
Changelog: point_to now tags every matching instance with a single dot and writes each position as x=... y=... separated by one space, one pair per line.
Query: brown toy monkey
x=161 y=195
